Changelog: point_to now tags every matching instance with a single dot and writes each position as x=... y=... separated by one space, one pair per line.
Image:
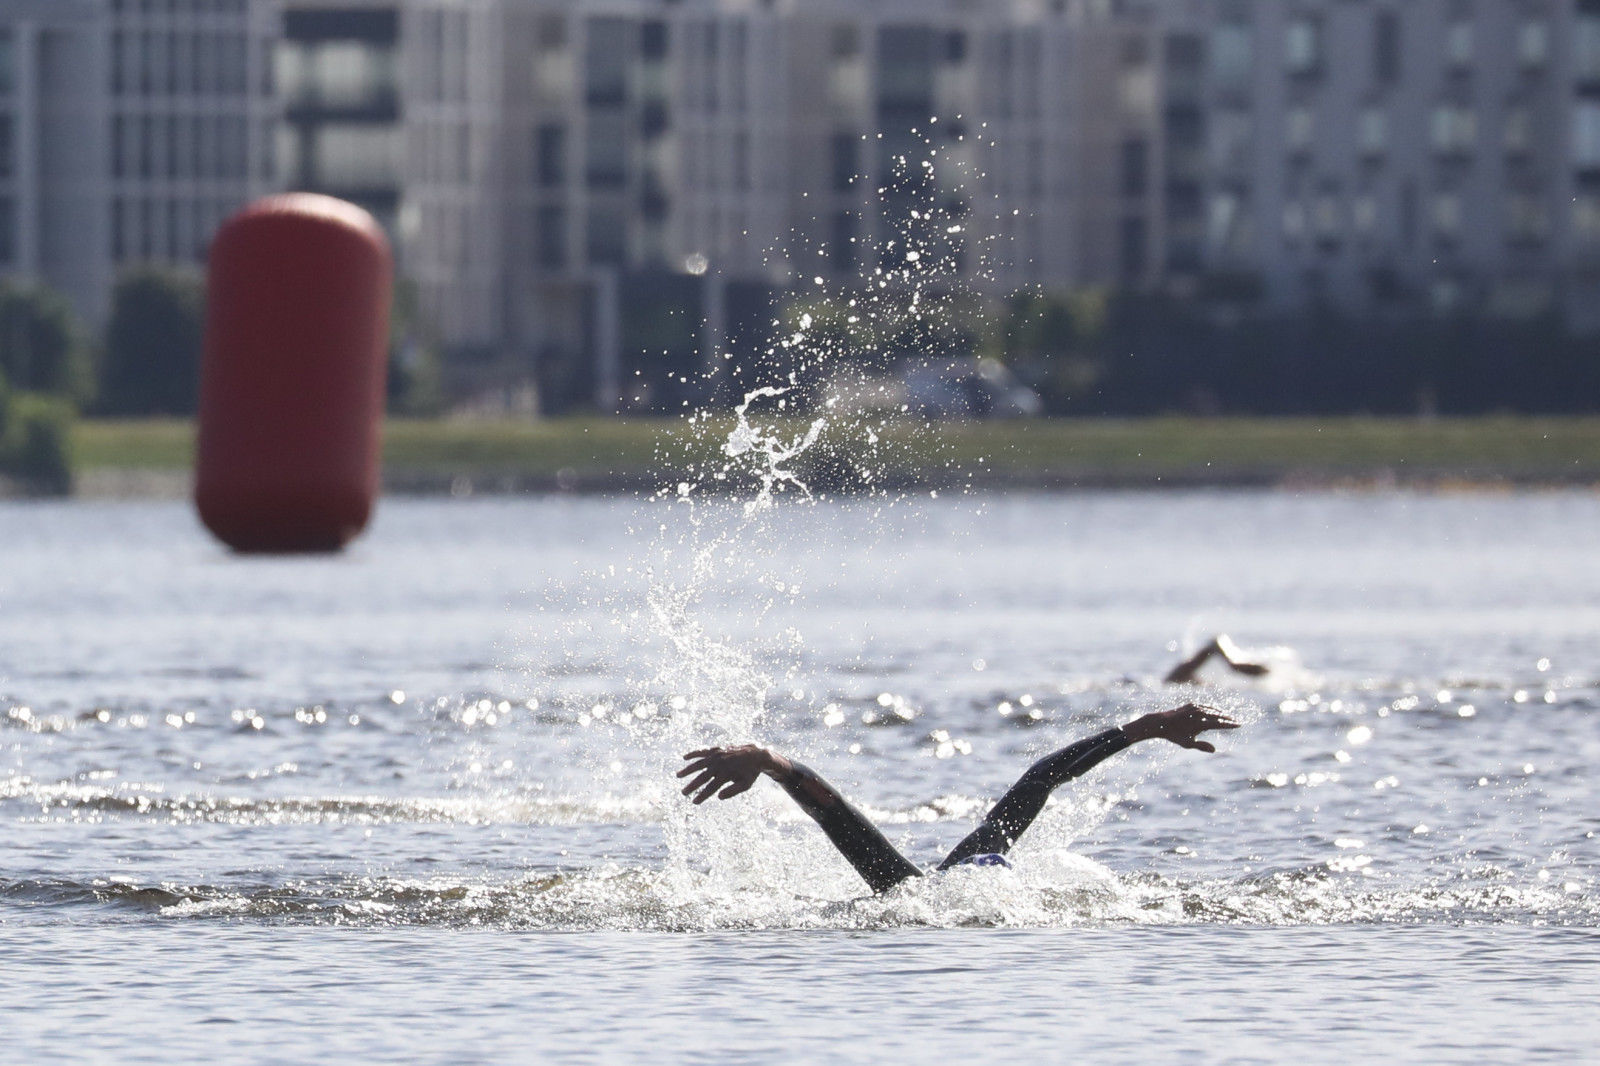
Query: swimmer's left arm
x=1181 y=726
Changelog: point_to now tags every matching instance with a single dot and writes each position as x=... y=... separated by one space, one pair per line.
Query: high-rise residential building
x=561 y=161
x=128 y=130
x=581 y=189
x=1399 y=155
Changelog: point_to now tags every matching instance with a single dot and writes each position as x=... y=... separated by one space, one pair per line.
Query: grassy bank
x=596 y=453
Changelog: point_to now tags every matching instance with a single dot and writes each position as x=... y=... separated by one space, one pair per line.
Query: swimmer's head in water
x=988 y=858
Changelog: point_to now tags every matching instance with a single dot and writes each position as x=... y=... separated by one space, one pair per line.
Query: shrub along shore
x=153 y=456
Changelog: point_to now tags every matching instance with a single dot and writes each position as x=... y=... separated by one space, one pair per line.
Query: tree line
x=1108 y=353
x=146 y=364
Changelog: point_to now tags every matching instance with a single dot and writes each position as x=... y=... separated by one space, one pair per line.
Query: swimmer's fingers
x=735 y=788
x=1198 y=745
x=699 y=783
x=692 y=768
x=703 y=753
x=709 y=791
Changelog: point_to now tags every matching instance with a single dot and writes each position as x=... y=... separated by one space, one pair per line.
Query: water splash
x=769 y=450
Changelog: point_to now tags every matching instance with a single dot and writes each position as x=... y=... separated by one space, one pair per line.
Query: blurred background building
x=582 y=189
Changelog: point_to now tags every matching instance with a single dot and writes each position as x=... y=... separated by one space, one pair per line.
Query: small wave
x=1054 y=891
x=74 y=802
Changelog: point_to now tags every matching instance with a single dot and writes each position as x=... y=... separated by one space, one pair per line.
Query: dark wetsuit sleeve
x=1018 y=808
x=857 y=839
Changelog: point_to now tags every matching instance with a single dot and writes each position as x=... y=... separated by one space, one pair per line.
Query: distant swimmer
x=1185 y=672
x=726 y=772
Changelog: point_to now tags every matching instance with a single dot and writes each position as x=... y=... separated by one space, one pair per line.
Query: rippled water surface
x=415 y=802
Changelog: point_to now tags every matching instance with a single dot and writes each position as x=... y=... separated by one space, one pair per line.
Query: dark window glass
x=844 y=249
x=846 y=160
x=552 y=245
x=551 y=163
x=8 y=147
x=1386 y=47
x=1132 y=247
x=653 y=39
x=8 y=230
x=606 y=237
x=1135 y=169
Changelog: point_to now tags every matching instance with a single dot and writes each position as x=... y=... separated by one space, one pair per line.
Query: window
x=606 y=61
x=1132 y=246
x=1526 y=218
x=8 y=62
x=653 y=39
x=1519 y=130
x=348 y=155
x=606 y=165
x=607 y=236
x=1230 y=139
x=1447 y=215
x=552 y=238
x=1372 y=132
x=1223 y=221
x=1135 y=168
x=845 y=164
x=844 y=41
x=1586 y=134
x=1458 y=44
x=8 y=230
x=1386 y=51
x=1301 y=127
x=1586 y=47
x=1454 y=129
x=550 y=162
x=1325 y=218
x=1533 y=44
x=1232 y=56
x=1586 y=218
x=1364 y=214
x=1302 y=46
x=844 y=242
x=1294 y=220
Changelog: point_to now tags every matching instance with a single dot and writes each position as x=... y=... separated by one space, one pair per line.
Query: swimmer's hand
x=1235 y=658
x=1181 y=725
x=730 y=770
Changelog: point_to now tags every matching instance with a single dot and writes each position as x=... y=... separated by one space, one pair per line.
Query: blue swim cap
x=988 y=858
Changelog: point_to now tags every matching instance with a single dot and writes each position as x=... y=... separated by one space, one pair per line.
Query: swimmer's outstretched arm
x=1009 y=818
x=726 y=772
x=1185 y=672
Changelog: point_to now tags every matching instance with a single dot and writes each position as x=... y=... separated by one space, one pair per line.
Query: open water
x=415 y=802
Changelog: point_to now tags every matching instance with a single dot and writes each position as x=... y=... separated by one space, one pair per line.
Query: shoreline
x=120 y=484
x=152 y=458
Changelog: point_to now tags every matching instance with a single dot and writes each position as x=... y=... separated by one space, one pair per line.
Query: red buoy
x=292 y=381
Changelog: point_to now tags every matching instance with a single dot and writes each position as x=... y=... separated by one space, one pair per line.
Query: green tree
x=413 y=379
x=152 y=362
x=36 y=441
x=43 y=347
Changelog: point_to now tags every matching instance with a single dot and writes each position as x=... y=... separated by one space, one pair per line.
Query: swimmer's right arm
x=726 y=772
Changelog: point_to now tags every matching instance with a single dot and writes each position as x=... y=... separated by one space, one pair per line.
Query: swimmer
x=1185 y=672
x=726 y=772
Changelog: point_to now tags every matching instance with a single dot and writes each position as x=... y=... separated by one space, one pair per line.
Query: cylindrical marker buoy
x=292 y=383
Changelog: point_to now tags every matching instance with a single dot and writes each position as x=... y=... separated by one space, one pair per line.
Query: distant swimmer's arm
x=1185 y=673
x=727 y=772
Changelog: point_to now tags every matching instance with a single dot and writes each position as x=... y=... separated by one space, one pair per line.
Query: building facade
x=128 y=131
x=1400 y=155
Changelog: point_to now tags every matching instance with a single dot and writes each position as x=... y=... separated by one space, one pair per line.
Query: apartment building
x=1398 y=155
x=698 y=155
x=128 y=130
